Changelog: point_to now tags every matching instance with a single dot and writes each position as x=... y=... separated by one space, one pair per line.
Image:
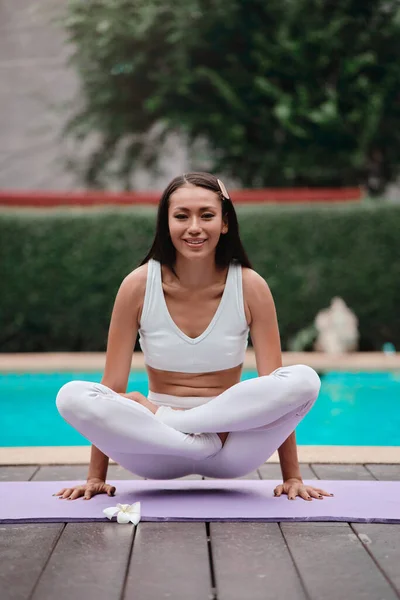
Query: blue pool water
x=355 y=409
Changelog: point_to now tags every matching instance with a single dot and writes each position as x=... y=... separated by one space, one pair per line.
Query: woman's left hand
x=295 y=487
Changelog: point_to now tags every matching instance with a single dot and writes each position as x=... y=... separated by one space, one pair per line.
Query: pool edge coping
x=95 y=361
x=79 y=455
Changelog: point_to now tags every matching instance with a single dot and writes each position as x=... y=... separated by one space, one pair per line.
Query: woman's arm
x=266 y=341
x=120 y=345
x=264 y=333
x=98 y=466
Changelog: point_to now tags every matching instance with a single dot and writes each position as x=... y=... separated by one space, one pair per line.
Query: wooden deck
x=200 y=561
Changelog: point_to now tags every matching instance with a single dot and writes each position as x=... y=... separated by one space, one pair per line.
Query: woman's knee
x=302 y=378
x=70 y=397
x=310 y=381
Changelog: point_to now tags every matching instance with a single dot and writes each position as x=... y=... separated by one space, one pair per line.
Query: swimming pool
x=354 y=409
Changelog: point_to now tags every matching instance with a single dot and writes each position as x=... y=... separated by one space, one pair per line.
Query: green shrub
x=60 y=269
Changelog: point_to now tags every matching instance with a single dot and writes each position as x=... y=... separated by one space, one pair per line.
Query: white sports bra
x=221 y=346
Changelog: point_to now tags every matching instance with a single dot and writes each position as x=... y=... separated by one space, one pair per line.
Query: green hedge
x=60 y=269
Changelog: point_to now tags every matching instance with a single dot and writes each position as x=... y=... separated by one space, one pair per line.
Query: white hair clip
x=223 y=189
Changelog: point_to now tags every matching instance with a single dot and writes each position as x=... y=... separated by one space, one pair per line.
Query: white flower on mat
x=126 y=513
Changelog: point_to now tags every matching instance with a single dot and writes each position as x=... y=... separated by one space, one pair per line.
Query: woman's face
x=195 y=221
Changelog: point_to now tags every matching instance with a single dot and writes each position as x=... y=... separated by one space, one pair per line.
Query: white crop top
x=221 y=346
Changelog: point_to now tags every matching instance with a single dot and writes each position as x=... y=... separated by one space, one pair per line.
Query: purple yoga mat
x=209 y=500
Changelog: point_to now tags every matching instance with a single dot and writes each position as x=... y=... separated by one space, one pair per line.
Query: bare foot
x=141 y=399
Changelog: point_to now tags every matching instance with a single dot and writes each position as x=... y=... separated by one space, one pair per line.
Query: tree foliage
x=286 y=92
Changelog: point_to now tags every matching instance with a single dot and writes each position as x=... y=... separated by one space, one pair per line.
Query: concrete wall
x=35 y=84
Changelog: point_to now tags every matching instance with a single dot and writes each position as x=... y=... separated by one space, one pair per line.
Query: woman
x=193 y=300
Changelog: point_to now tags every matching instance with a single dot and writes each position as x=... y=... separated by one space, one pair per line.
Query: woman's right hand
x=89 y=489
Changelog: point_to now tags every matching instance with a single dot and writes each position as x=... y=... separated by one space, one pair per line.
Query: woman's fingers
x=69 y=493
x=88 y=494
x=293 y=491
x=111 y=490
x=314 y=493
x=299 y=489
x=323 y=492
x=87 y=491
x=76 y=494
x=318 y=493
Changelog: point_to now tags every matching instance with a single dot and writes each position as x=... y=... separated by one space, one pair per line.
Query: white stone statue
x=337 y=328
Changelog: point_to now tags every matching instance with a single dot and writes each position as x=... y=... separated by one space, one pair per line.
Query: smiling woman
x=192 y=222
x=194 y=300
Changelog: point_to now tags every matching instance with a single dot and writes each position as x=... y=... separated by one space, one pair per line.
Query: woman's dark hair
x=229 y=247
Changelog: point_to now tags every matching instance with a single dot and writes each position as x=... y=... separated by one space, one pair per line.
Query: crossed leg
x=261 y=413
x=244 y=451
x=129 y=433
x=251 y=404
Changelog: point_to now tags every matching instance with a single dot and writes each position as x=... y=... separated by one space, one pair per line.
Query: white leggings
x=259 y=413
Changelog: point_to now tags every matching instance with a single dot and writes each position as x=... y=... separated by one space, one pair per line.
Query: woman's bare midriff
x=192 y=384
x=187 y=308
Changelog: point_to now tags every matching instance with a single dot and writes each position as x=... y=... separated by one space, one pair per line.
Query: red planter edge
x=48 y=199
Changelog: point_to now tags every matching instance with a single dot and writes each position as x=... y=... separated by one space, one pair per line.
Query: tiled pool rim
x=62 y=361
x=94 y=361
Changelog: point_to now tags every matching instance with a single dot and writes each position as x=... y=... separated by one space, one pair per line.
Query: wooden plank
x=24 y=550
x=89 y=561
x=333 y=563
x=334 y=471
x=251 y=560
x=169 y=560
x=273 y=471
x=17 y=473
x=383 y=542
x=385 y=472
x=78 y=473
